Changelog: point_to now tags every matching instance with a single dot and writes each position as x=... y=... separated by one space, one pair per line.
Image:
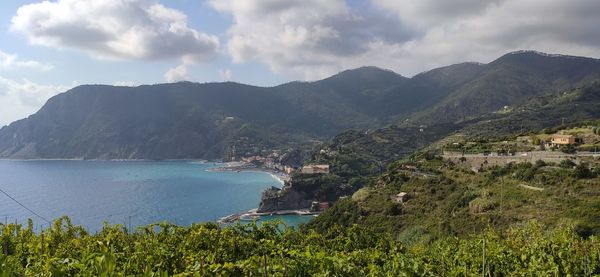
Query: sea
x=131 y=193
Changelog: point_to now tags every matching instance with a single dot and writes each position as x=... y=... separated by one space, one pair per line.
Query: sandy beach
x=281 y=177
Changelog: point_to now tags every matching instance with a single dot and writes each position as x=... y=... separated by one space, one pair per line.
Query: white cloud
x=176 y=74
x=225 y=74
x=114 y=29
x=307 y=38
x=482 y=31
x=19 y=99
x=312 y=39
x=8 y=61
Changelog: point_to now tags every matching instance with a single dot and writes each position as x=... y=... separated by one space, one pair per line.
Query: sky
x=48 y=47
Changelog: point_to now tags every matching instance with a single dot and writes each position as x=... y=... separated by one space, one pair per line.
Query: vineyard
x=270 y=250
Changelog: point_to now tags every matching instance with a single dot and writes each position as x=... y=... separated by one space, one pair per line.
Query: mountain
x=220 y=120
x=512 y=79
x=189 y=120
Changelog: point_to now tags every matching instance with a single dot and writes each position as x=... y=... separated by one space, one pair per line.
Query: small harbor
x=253 y=215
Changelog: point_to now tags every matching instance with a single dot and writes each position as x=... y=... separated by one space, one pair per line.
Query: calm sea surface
x=91 y=192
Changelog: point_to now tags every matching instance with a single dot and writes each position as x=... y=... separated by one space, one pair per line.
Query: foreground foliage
x=208 y=249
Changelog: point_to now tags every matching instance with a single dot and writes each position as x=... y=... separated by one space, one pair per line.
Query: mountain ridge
x=228 y=119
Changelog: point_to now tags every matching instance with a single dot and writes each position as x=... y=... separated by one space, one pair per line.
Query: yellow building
x=563 y=139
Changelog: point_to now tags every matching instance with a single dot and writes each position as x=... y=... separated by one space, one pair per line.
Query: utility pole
x=483 y=265
x=501 y=193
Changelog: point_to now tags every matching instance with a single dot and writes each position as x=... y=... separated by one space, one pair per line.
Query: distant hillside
x=189 y=120
x=510 y=80
x=219 y=120
x=538 y=113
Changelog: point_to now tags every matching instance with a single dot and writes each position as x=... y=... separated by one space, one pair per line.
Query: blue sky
x=47 y=47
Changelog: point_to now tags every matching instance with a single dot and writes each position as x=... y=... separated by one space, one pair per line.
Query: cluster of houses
x=271 y=162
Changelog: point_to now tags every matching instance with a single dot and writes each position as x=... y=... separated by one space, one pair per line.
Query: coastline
x=281 y=177
x=252 y=214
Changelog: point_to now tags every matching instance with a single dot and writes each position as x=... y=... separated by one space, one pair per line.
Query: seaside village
x=273 y=162
x=283 y=164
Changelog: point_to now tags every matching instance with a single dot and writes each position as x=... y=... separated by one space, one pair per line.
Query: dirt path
x=531 y=188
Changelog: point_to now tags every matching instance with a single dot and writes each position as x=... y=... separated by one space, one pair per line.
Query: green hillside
x=224 y=120
x=447 y=199
x=566 y=107
x=510 y=80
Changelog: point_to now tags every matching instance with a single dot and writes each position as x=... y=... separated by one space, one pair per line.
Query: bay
x=127 y=192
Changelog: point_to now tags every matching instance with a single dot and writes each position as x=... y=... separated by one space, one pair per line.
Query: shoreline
x=281 y=177
x=252 y=214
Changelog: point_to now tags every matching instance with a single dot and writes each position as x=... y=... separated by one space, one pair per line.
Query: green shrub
x=568 y=149
x=567 y=164
x=249 y=250
x=582 y=171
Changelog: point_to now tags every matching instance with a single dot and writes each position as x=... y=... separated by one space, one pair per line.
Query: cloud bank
x=114 y=29
x=310 y=39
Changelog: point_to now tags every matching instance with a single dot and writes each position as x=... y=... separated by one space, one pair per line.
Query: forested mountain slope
x=190 y=120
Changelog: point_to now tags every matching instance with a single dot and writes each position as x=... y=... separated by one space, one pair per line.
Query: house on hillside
x=401 y=197
x=319 y=206
x=563 y=139
x=315 y=169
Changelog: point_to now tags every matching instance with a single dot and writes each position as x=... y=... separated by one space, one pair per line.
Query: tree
x=568 y=149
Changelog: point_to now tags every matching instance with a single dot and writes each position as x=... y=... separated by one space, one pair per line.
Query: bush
x=596 y=171
x=567 y=164
x=540 y=163
x=211 y=250
x=568 y=149
x=481 y=205
x=582 y=171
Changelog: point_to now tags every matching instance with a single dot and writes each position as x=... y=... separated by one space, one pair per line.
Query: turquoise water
x=289 y=220
x=140 y=192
